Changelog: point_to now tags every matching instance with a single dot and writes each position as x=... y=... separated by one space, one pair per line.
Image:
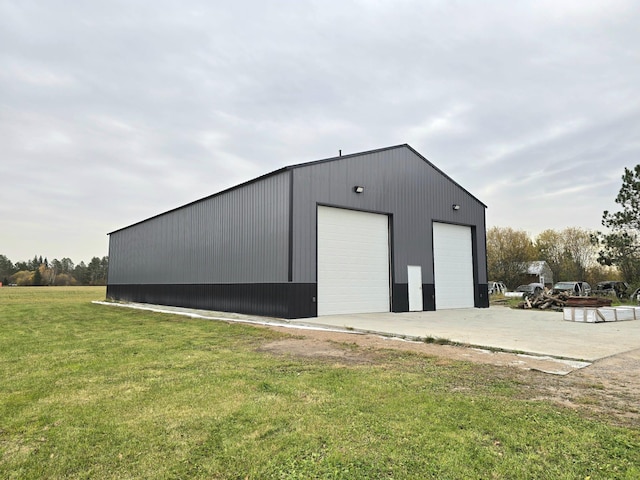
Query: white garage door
x=353 y=261
x=452 y=266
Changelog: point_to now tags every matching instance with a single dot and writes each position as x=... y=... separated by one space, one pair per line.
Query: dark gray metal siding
x=252 y=249
x=238 y=236
x=397 y=182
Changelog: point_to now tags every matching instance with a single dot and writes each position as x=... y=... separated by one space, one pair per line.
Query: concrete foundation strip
x=177 y=311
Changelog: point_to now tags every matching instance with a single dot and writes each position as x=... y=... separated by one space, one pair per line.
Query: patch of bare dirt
x=608 y=388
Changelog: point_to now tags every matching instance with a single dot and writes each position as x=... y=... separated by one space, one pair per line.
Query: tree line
x=575 y=253
x=570 y=253
x=41 y=271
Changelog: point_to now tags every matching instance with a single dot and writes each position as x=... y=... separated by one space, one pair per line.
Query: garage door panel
x=353 y=261
x=453 y=266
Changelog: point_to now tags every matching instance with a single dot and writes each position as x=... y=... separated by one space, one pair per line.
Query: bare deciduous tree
x=507 y=251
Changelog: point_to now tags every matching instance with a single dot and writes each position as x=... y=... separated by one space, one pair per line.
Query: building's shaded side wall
x=228 y=252
x=399 y=183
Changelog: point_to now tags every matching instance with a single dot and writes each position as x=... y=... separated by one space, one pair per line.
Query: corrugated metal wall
x=397 y=182
x=239 y=236
x=252 y=249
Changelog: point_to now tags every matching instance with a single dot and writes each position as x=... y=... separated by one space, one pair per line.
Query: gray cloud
x=111 y=112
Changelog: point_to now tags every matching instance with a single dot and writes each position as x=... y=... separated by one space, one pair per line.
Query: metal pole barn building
x=378 y=231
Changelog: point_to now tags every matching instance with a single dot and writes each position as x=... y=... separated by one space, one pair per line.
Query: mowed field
x=92 y=391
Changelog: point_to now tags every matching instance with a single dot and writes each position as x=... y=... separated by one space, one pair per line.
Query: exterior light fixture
x=455 y=206
x=358 y=189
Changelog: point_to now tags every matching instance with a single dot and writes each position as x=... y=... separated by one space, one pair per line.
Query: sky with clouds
x=111 y=112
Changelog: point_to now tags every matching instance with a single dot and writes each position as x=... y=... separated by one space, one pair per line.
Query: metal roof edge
x=444 y=174
x=221 y=192
x=257 y=179
x=342 y=157
x=384 y=149
x=301 y=165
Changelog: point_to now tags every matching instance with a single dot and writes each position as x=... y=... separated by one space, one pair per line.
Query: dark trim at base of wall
x=429 y=296
x=282 y=300
x=400 y=297
x=482 y=296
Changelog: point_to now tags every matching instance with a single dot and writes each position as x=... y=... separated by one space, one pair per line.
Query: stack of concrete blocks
x=601 y=314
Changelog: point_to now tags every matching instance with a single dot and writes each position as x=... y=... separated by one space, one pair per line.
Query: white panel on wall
x=414 y=286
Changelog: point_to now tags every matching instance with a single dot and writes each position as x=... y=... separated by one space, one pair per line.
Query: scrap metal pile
x=546 y=301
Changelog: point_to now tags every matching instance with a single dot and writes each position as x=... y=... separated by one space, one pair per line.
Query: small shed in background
x=537 y=272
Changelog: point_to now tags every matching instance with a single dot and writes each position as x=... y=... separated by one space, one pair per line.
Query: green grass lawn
x=92 y=391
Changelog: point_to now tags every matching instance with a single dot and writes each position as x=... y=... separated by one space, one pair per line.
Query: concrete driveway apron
x=529 y=331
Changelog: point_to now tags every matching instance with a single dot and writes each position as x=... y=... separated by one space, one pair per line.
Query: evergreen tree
x=6 y=269
x=22 y=266
x=37 y=277
x=104 y=263
x=67 y=265
x=80 y=273
x=97 y=270
x=621 y=246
